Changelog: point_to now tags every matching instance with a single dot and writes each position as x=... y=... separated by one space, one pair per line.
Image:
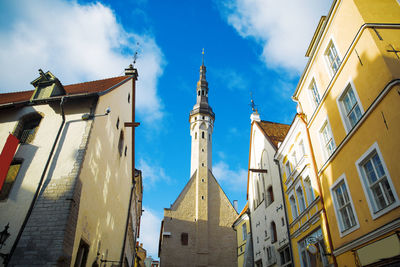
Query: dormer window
x=27 y=128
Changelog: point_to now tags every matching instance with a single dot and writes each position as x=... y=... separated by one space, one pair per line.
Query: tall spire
x=202 y=105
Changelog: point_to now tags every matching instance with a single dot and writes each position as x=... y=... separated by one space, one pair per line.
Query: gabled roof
x=72 y=89
x=275 y=131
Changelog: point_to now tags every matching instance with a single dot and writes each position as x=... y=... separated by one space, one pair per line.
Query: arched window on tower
x=198 y=92
x=202 y=92
x=202 y=135
x=195 y=135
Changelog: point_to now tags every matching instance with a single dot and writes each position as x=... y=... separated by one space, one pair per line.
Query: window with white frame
x=314 y=93
x=309 y=190
x=300 y=198
x=293 y=206
x=377 y=184
x=288 y=169
x=349 y=107
x=327 y=139
x=344 y=208
x=294 y=158
x=244 y=231
x=302 y=150
x=332 y=58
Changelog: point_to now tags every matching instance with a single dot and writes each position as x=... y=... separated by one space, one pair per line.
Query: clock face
x=312 y=248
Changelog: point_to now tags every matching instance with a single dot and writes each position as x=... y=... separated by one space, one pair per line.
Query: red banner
x=7 y=156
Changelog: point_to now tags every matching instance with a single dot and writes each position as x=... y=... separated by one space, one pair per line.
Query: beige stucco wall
x=35 y=155
x=106 y=179
x=219 y=240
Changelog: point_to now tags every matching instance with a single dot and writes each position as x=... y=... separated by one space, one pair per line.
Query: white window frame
x=288 y=169
x=370 y=198
x=302 y=149
x=311 y=92
x=244 y=231
x=310 y=198
x=332 y=43
x=321 y=138
x=292 y=207
x=298 y=198
x=343 y=232
x=294 y=158
x=339 y=101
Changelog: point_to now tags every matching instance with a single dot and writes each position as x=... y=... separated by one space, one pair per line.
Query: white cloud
x=234 y=179
x=231 y=79
x=283 y=28
x=150 y=232
x=76 y=43
x=152 y=174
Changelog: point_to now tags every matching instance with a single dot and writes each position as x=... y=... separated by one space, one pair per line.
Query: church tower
x=201 y=127
x=197 y=228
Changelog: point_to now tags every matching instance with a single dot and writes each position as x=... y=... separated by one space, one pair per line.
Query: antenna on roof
x=135 y=56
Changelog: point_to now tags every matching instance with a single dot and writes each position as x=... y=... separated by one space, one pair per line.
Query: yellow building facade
x=349 y=97
x=243 y=234
x=304 y=205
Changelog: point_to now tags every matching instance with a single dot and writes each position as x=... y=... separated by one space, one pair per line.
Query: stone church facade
x=197 y=228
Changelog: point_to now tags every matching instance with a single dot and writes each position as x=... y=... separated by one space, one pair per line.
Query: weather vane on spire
x=252 y=104
x=202 y=56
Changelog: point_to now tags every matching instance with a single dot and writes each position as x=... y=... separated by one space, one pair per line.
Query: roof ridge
x=275 y=122
x=17 y=92
x=96 y=80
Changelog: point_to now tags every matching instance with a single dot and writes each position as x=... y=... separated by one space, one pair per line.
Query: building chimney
x=235 y=205
x=131 y=71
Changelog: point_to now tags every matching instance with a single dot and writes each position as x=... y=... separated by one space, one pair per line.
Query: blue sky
x=253 y=46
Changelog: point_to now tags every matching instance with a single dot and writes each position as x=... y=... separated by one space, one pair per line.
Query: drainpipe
x=35 y=197
x=319 y=189
x=284 y=206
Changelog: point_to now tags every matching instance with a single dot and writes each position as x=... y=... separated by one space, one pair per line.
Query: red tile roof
x=275 y=131
x=79 y=88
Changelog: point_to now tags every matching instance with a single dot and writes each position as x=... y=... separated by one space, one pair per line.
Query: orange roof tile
x=246 y=207
x=79 y=88
x=275 y=131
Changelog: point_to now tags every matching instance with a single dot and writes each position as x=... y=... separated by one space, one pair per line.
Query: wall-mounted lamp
x=88 y=116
